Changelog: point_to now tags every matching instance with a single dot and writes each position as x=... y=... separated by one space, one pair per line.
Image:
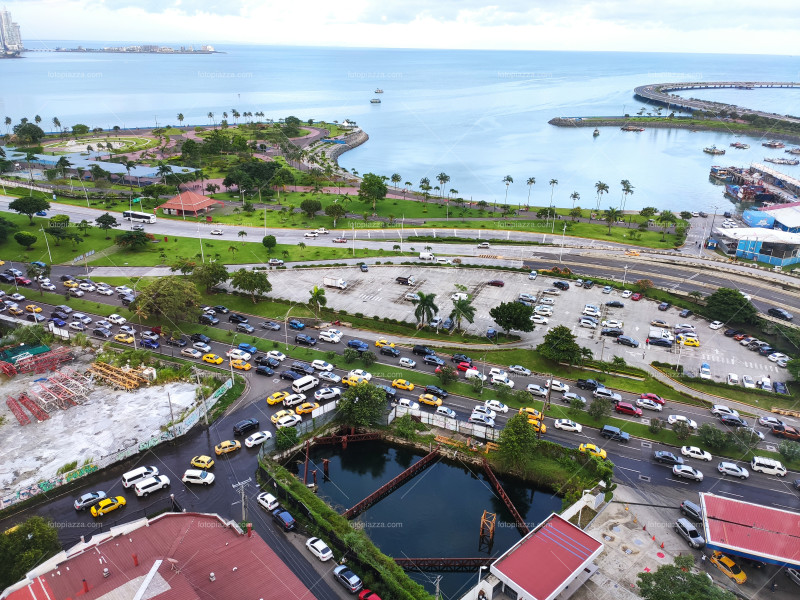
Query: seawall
x=353 y=140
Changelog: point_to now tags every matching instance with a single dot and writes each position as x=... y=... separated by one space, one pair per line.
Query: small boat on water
x=596 y=132
x=740 y=145
x=793 y=150
x=748 y=193
x=783 y=161
x=773 y=144
x=379 y=91
x=631 y=128
x=720 y=174
x=713 y=150
x=375 y=101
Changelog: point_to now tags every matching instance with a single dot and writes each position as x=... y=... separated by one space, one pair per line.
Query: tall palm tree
x=462 y=309
x=129 y=164
x=8 y=125
x=442 y=178
x=424 y=182
x=57 y=123
x=163 y=170
x=602 y=188
x=666 y=218
x=406 y=185
x=531 y=181
x=233 y=250
x=396 y=178
x=211 y=118
x=63 y=164
x=627 y=189
x=29 y=156
x=574 y=196
x=610 y=216
x=553 y=184
x=180 y=118
x=508 y=180
x=242 y=234
x=318 y=299
x=426 y=308
x=38 y=119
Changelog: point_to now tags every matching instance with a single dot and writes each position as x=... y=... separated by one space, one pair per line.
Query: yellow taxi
x=403 y=384
x=106 y=505
x=2 y=262
x=593 y=450
x=381 y=343
x=631 y=253
x=430 y=400
x=276 y=398
x=227 y=446
x=728 y=566
x=16 y=311
x=32 y=308
x=281 y=413
x=241 y=364
x=687 y=340
x=125 y=338
x=70 y=284
x=537 y=425
x=354 y=380
x=307 y=408
x=212 y=358
x=530 y=412
x=203 y=462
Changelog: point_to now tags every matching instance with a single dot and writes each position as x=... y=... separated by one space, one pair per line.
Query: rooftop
x=744 y=528
x=787 y=214
x=758 y=234
x=190 y=202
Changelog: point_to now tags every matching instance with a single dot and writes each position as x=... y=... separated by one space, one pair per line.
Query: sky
x=694 y=26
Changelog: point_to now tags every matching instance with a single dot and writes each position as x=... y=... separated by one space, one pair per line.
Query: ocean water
x=475 y=115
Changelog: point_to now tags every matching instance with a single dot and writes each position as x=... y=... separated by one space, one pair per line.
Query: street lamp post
x=563 y=233
x=625 y=276
x=286 y=326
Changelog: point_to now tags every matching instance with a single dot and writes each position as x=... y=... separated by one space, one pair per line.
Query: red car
x=637 y=296
x=22 y=281
x=339 y=240
x=463 y=366
x=653 y=397
x=628 y=409
x=368 y=595
x=740 y=336
x=496 y=283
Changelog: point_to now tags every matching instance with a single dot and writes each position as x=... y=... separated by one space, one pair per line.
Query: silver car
x=729 y=468
x=689 y=532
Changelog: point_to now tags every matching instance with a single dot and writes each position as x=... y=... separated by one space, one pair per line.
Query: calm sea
x=475 y=115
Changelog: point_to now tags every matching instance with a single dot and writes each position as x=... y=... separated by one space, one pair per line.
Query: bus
x=139 y=217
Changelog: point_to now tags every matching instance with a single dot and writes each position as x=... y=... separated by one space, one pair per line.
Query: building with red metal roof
x=175 y=556
x=751 y=530
x=553 y=557
x=189 y=203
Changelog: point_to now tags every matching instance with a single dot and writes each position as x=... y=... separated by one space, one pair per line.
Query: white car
x=258 y=438
x=716 y=325
x=235 y=353
x=544 y=311
x=191 y=352
x=720 y=409
x=268 y=501
x=479 y=419
x=539 y=319
x=317 y=547
x=17 y=297
x=336 y=332
x=649 y=404
x=123 y=289
x=85 y=319
x=591 y=311
x=327 y=394
x=330 y=377
x=503 y=380
x=328 y=336
x=77 y=293
x=733 y=379
x=570 y=396
x=551 y=292
x=412 y=296
x=519 y=370
x=288 y=421
x=770 y=421
x=687 y=472
x=276 y=355
x=482 y=409
x=310 y=234
x=782 y=362
x=87 y=287
x=360 y=373
x=203 y=347
x=77 y=326
x=612 y=323
x=568 y=425
x=198 y=476
x=216 y=232
x=627 y=294
x=557 y=386
x=496 y=371
x=117 y=319
x=536 y=390
x=49 y=287
x=407 y=362
x=321 y=230
x=321 y=365
x=496 y=406
x=127 y=329
x=776 y=356
x=748 y=382
x=547 y=301
x=729 y=468
x=672 y=419
x=695 y=452
x=685 y=326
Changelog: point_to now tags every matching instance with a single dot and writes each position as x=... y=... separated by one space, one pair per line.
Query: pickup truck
x=614 y=433
x=588 y=384
x=405 y=280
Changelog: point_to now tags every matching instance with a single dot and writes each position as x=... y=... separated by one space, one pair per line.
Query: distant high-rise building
x=10 y=37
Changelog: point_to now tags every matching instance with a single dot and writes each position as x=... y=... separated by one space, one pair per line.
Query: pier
x=661 y=93
x=521 y=525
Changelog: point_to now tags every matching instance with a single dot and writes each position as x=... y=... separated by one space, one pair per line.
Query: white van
x=409 y=404
x=768 y=466
x=309 y=382
x=426 y=256
x=459 y=296
x=474 y=374
x=150 y=485
x=131 y=478
x=533 y=275
x=444 y=261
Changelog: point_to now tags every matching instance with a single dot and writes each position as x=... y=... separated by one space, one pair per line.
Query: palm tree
x=233 y=250
x=57 y=123
x=442 y=178
x=38 y=119
x=29 y=156
x=574 y=196
x=610 y=216
x=627 y=189
x=180 y=118
x=396 y=178
x=531 y=181
x=424 y=182
x=211 y=118
x=242 y=234
x=8 y=125
x=318 y=299
x=63 y=164
x=602 y=188
x=462 y=309
x=666 y=218
x=162 y=171
x=406 y=185
x=129 y=164
x=426 y=308
x=553 y=184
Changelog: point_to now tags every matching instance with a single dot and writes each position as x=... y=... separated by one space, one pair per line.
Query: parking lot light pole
x=563 y=232
x=286 y=326
x=625 y=277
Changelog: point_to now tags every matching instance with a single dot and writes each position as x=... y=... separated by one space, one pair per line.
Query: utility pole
x=436 y=583
x=241 y=487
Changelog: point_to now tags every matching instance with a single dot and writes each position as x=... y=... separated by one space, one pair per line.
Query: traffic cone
x=654 y=538
x=662 y=545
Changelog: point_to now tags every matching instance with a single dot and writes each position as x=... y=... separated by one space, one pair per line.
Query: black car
x=199 y=337
x=588 y=284
x=663 y=306
x=588 y=384
x=219 y=309
x=204 y=319
x=732 y=421
x=436 y=391
x=37 y=318
x=179 y=342
x=732 y=332
x=660 y=342
x=389 y=351
x=293 y=375
x=562 y=285
x=667 y=458
x=780 y=313
x=421 y=350
x=267 y=361
x=237 y=318
x=245 y=328
x=270 y=325
x=390 y=391
x=264 y=370
x=67 y=278
x=64 y=309
x=766 y=350
x=302 y=367
x=432 y=359
x=685 y=313
x=57 y=314
x=459 y=358
x=6 y=278
x=626 y=340
x=611 y=331
x=780 y=388
x=245 y=426
x=283 y=518
x=615 y=304
x=305 y=340
x=692 y=510
x=101 y=332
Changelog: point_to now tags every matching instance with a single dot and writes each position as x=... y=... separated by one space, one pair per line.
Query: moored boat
x=773 y=144
x=720 y=174
x=740 y=145
x=713 y=150
x=783 y=161
x=596 y=132
x=631 y=128
x=379 y=91
x=375 y=101
x=793 y=150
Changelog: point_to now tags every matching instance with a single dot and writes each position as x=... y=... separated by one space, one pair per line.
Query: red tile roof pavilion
x=169 y=557
x=189 y=203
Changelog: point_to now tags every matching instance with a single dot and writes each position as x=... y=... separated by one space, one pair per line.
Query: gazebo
x=189 y=203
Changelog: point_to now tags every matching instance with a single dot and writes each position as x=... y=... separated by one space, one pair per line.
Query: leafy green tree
x=210 y=274
x=29 y=205
x=682 y=431
x=559 y=346
x=362 y=405
x=269 y=242
x=184 y=265
x=25 y=239
x=599 y=408
x=28 y=133
x=132 y=240
x=335 y=211
x=727 y=304
x=372 y=189
x=26 y=546
x=368 y=358
x=462 y=309
x=576 y=406
x=350 y=355
x=789 y=450
x=318 y=298
x=310 y=206
x=106 y=222
x=656 y=425
x=610 y=216
x=648 y=211
x=678 y=582
x=285 y=438
x=447 y=374
x=793 y=366
x=517 y=443
x=6 y=227
x=425 y=309
x=36 y=272
x=255 y=283
x=711 y=437
x=58 y=234
x=173 y=298
x=513 y=315
x=404 y=426
x=80 y=129
x=686 y=215
x=642 y=285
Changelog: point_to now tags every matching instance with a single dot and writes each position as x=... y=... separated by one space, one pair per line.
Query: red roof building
x=189 y=203
x=175 y=556
x=751 y=530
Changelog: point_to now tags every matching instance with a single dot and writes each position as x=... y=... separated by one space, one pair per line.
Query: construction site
x=61 y=407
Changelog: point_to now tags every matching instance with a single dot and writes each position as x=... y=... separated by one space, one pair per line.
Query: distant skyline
x=693 y=26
